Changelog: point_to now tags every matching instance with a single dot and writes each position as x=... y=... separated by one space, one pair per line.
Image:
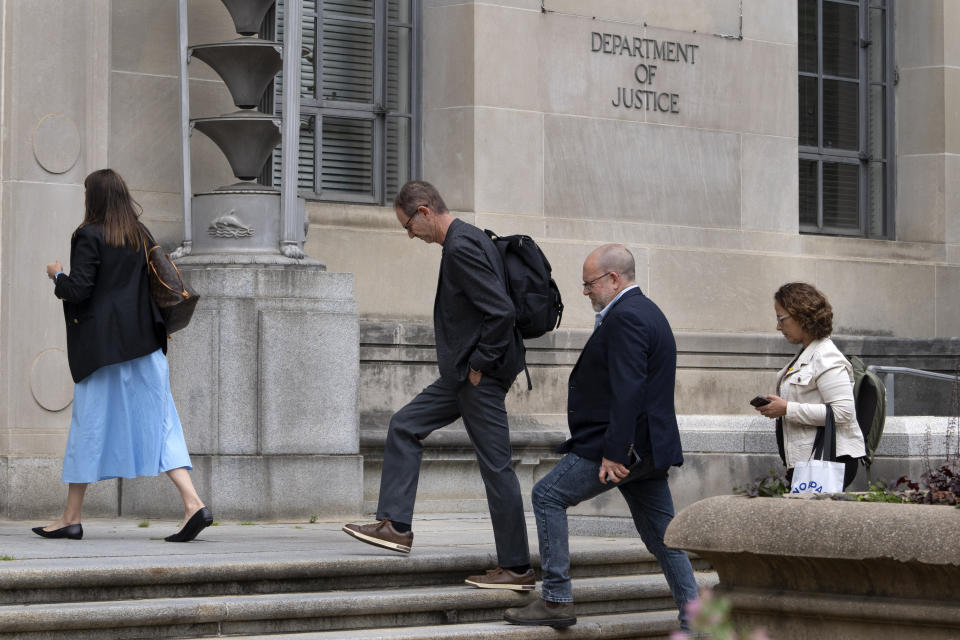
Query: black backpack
x=534 y=293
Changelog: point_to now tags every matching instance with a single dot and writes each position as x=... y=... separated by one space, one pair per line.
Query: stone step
x=286 y=613
x=106 y=579
x=647 y=624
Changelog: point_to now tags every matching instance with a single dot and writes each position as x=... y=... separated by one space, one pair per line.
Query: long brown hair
x=108 y=203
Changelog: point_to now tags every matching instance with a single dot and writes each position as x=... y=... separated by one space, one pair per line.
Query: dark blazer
x=473 y=317
x=110 y=315
x=620 y=398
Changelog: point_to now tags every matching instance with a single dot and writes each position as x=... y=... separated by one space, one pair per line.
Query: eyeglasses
x=406 y=225
x=781 y=319
x=589 y=283
x=416 y=212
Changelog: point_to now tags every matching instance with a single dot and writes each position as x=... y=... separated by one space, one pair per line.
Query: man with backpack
x=479 y=353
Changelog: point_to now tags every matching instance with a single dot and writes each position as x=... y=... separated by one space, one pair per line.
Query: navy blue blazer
x=620 y=398
x=107 y=306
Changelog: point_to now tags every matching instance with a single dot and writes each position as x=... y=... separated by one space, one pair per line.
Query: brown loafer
x=541 y=612
x=501 y=578
x=381 y=534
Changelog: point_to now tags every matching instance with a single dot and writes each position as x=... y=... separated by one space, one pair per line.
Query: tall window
x=846 y=113
x=359 y=99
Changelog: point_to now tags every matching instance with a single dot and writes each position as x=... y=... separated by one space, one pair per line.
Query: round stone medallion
x=56 y=143
x=50 y=381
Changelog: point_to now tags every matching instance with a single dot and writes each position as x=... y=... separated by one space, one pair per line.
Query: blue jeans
x=647 y=493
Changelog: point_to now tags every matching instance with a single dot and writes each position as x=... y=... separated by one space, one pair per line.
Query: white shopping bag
x=817 y=476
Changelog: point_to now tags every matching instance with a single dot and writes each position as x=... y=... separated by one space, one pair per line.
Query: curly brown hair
x=808 y=307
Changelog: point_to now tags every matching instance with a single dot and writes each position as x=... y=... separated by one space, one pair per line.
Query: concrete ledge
x=809 y=528
x=902 y=435
x=804 y=568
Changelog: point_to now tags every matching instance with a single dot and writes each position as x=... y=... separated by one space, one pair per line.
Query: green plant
x=314 y=518
x=880 y=492
x=246 y=524
x=772 y=485
x=215 y=523
x=144 y=524
x=296 y=526
x=7 y=558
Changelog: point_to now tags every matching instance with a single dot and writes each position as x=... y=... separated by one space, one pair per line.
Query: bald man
x=623 y=434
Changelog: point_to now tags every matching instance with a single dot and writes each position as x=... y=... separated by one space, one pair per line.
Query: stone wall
x=725 y=442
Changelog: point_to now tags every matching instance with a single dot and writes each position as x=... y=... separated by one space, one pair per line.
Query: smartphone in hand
x=759 y=401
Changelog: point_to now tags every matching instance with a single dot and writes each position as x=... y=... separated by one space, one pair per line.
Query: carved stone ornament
x=229 y=226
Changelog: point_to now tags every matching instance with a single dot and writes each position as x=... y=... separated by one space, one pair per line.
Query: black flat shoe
x=71 y=531
x=197 y=523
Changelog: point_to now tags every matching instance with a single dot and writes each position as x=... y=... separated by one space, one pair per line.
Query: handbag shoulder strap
x=825 y=442
x=830 y=434
x=779 y=432
x=146 y=236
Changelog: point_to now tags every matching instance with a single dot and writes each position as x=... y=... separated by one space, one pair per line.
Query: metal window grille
x=845 y=56
x=359 y=99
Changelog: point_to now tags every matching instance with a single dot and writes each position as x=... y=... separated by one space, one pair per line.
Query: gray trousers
x=485 y=417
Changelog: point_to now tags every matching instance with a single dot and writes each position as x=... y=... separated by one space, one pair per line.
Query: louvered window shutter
x=358 y=124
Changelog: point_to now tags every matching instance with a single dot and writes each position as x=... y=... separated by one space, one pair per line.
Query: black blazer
x=110 y=315
x=620 y=398
x=473 y=317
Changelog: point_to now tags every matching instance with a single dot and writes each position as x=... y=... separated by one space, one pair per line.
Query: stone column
x=55 y=80
x=928 y=95
x=265 y=378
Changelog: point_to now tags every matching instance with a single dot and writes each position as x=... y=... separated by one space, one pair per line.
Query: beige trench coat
x=820 y=375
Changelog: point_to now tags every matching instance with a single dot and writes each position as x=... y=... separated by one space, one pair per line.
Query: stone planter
x=824 y=569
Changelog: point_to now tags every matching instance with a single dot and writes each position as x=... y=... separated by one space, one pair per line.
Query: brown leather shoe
x=501 y=578
x=540 y=612
x=381 y=534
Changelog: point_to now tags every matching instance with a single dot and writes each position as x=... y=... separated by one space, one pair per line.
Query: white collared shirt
x=602 y=314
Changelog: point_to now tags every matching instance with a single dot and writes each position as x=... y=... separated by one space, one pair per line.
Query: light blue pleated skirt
x=124 y=423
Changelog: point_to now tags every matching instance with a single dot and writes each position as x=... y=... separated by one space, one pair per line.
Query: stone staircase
x=293 y=593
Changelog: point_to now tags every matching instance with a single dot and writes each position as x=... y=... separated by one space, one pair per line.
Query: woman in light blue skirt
x=124 y=422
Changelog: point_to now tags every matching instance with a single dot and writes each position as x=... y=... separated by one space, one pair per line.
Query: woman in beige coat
x=819 y=374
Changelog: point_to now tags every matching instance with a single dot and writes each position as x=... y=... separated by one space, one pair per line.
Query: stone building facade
x=671 y=126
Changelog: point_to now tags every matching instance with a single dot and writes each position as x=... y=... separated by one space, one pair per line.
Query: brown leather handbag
x=173 y=296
